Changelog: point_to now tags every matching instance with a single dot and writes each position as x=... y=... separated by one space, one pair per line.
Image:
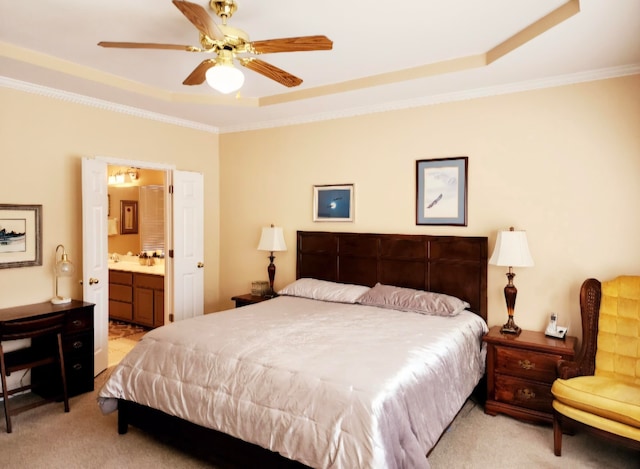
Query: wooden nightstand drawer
x=526 y=364
x=523 y=393
x=520 y=371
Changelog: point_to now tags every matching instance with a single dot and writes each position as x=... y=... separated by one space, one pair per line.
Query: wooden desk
x=77 y=342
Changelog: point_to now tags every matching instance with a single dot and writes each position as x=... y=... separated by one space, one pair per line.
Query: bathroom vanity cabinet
x=136 y=298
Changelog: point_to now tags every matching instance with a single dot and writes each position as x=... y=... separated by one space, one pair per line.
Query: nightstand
x=248 y=299
x=520 y=372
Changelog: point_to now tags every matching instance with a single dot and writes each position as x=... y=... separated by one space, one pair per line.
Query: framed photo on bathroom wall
x=441 y=188
x=128 y=217
x=20 y=235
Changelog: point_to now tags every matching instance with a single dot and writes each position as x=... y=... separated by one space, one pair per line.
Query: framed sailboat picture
x=20 y=235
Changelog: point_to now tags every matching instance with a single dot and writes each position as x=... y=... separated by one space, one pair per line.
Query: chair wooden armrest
x=585 y=362
x=567 y=369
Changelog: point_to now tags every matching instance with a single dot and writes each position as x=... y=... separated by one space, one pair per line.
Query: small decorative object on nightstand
x=248 y=299
x=520 y=371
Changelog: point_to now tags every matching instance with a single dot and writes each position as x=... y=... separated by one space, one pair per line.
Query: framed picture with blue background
x=333 y=202
x=441 y=188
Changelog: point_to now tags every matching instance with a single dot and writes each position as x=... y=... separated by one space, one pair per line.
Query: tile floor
x=118 y=348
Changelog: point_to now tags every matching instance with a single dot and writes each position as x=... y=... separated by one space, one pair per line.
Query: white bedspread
x=330 y=385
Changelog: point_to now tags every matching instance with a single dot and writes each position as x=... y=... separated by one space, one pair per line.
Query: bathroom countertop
x=157 y=269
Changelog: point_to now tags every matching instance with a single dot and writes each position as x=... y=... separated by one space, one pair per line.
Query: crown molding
x=101 y=104
x=550 y=82
x=529 y=85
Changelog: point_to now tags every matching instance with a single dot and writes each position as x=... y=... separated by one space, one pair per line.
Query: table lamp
x=272 y=239
x=63 y=268
x=511 y=250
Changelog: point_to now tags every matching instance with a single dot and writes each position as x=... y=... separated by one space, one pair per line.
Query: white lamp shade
x=272 y=239
x=511 y=250
x=225 y=78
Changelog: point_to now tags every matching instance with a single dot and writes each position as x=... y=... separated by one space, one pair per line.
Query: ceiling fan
x=228 y=43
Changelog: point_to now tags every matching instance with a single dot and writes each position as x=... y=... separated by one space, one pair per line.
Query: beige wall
x=561 y=163
x=42 y=141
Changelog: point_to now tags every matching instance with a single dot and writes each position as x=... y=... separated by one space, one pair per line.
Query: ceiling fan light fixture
x=225 y=78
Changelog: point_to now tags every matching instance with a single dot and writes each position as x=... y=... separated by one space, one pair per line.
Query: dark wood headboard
x=454 y=265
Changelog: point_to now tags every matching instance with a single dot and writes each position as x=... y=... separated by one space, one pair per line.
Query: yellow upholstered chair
x=600 y=391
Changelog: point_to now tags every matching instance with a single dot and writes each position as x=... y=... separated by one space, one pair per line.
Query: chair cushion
x=618 y=350
x=596 y=421
x=605 y=397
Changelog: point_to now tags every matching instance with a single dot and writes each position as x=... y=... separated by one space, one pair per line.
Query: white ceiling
x=53 y=44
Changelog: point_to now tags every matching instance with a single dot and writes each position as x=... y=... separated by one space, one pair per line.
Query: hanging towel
x=112 y=228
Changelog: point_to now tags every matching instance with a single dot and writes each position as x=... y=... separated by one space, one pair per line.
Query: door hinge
x=171 y=189
x=171 y=253
x=170 y=317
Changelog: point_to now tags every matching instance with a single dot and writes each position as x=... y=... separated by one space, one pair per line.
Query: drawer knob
x=77 y=323
x=77 y=344
x=526 y=394
x=526 y=364
x=77 y=366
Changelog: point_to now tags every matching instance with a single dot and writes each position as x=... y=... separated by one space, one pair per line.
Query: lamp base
x=59 y=300
x=510 y=327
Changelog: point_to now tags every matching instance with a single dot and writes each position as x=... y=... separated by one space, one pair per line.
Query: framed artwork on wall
x=128 y=217
x=333 y=202
x=441 y=188
x=20 y=235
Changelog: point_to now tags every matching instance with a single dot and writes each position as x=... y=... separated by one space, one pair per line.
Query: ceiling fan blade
x=271 y=71
x=293 y=44
x=200 y=19
x=146 y=45
x=198 y=75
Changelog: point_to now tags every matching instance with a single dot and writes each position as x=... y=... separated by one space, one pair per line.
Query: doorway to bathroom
x=183 y=238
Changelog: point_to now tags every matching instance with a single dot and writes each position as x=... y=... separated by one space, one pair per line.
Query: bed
x=332 y=373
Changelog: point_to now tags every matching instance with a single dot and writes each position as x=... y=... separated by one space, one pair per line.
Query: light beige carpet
x=46 y=437
x=477 y=440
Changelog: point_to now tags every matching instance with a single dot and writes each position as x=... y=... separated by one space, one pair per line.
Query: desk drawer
x=77 y=344
x=79 y=320
x=526 y=364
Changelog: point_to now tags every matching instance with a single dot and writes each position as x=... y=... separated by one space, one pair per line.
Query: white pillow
x=417 y=301
x=324 y=290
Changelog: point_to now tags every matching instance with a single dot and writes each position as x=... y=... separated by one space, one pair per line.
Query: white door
x=95 y=270
x=188 y=245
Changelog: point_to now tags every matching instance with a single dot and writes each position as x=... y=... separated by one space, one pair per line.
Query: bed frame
x=453 y=265
x=445 y=264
